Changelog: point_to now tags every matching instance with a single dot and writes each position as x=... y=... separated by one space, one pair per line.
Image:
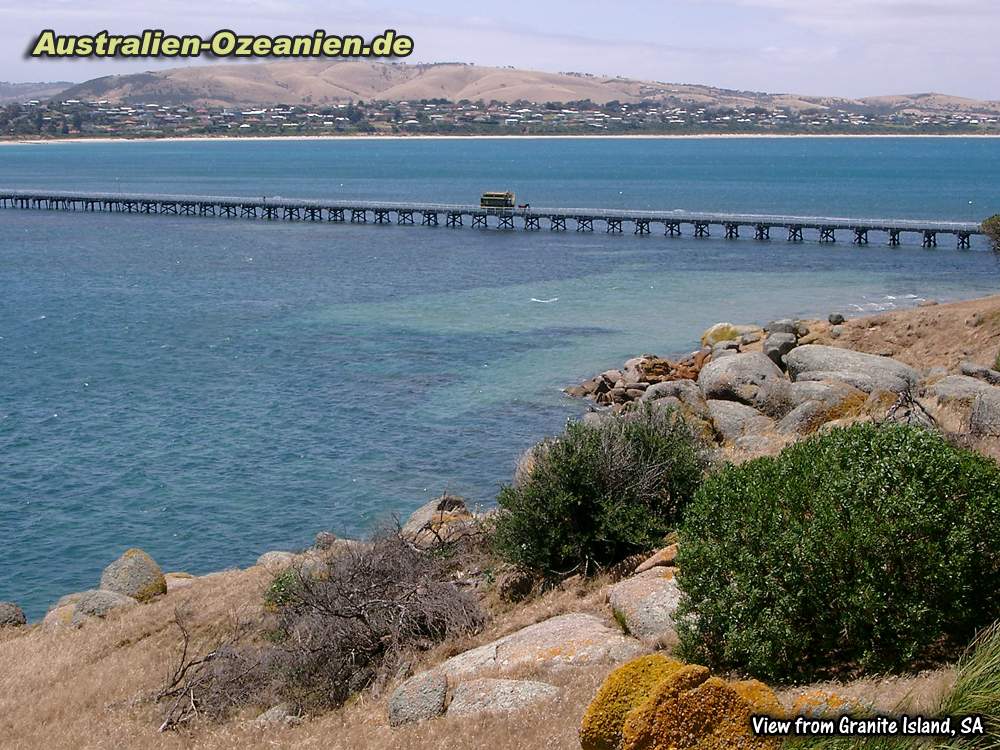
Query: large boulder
x=777 y=345
x=684 y=396
x=647 y=604
x=830 y=392
x=959 y=388
x=276 y=559
x=443 y=519
x=720 y=332
x=100 y=603
x=733 y=420
x=803 y=419
x=869 y=382
x=419 y=698
x=134 y=574
x=664 y=558
x=633 y=371
x=867 y=372
x=785 y=325
x=495 y=696
x=680 y=392
x=981 y=372
x=11 y=615
x=825 y=402
x=750 y=378
x=951 y=402
x=624 y=690
x=557 y=643
x=984 y=417
x=691 y=709
x=59 y=616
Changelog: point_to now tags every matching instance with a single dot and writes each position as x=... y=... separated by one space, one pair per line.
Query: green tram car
x=497 y=203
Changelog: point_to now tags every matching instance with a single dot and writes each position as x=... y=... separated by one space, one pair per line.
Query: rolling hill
x=19 y=92
x=325 y=82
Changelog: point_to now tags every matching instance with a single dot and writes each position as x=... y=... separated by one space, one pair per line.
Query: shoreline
x=449 y=137
x=878 y=332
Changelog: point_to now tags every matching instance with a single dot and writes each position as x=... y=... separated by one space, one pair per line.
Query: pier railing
x=530 y=218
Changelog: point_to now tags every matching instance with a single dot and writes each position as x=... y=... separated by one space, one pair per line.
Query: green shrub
x=991 y=228
x=599 y=493
x=283 y=589
x=867 y=548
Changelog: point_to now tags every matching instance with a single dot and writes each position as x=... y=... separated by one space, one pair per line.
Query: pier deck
x=642 y=222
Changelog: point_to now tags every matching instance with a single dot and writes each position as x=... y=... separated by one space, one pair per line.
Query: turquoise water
x=210 y=389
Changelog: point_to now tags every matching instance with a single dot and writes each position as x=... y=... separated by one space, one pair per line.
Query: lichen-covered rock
x=749 y=378
x=11 y=615
x=557 y=643
x=847 y=402
x=495 y=696
x=419 y=698
x=720 y=332
x=134 y=574
x=830 y=392
x=625 y=689
x=443 y=519
x=100 y=603
x=59 y=616
x=690 y=709
x=646 y=604
x=823 y=704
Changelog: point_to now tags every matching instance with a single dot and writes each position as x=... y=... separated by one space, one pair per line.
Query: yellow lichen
x=624 y=689
x=818 y=704
x=158 y=584
x=760 y=696
x=691 y=710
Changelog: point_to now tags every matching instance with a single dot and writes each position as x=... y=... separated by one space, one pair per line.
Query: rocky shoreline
x=751 y=389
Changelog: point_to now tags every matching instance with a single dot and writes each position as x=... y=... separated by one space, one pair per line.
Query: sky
x=847 y=48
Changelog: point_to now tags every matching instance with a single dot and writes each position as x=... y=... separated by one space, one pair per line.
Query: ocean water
x=210 y=389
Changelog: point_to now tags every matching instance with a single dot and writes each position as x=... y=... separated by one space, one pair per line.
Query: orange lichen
x=691 y=710
x=817 y=704
x=626 y=688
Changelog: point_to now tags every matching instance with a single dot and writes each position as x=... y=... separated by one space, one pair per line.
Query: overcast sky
x=835 y=47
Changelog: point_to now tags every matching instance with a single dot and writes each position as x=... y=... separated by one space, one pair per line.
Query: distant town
x=82 y=119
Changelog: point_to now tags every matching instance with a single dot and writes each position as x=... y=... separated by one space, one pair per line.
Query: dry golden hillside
x=324 y=82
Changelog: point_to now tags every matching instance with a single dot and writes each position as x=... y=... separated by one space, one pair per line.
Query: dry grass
x=925 y=337
x=87 y=687
x=915 y=694
x=82 y=688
